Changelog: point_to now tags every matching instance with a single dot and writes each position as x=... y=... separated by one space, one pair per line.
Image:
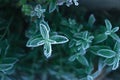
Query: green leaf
x=106 y=53
x=109 y=61
x=91 y=20
x=96 y=48
x=9 y=60
x=44 y=31
x=85 y=45
x=26 y=9
x=115 y=29
x=59 y=39
x=82 y=60
x=7 y=64
x=35 y=41
x=108 y=25
x=46 y=24
x=38 y=11
x=116 y=63
x=117 y=47
x=5 y=67
x=89 y=77
x=52 y=6
x=89 y=68
x=100 y=38
x=72 y=58
x=22 y=2
x=115 y=37
x=47 y=50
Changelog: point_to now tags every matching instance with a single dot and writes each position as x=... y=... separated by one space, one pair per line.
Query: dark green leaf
x=100 y=38
x=5 y=67
x=108 y=24
x=117 y=47
x=115 y=37
x=72 y=58
x=52 y=6
x=106 y=53
x=91 y=20
x=94 y=49
x=82 y=60
x=109 y=61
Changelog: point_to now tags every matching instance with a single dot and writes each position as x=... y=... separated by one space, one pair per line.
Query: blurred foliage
x=89 y=41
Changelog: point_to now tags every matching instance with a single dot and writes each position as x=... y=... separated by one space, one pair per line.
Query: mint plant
x=89 y=41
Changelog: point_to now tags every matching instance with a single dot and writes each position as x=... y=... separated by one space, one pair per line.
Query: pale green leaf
x=116 y=63
x=108 y=24
x=7 y=64
x=44 y=31
x=46 y=24
x=115 y=29
x=47 y=50
x=59 y=39
x=35 y=41
x=117 y=47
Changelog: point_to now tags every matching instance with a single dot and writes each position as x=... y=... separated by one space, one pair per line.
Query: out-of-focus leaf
x=83 y=60
x=91 y=20
x=52 y=6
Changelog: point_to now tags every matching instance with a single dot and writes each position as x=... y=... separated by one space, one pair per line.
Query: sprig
x=45 y=39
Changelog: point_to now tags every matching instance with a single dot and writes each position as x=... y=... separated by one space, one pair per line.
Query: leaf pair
x=45 y=39
x=38 y=11
x=109 y=32
x=112 y=57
